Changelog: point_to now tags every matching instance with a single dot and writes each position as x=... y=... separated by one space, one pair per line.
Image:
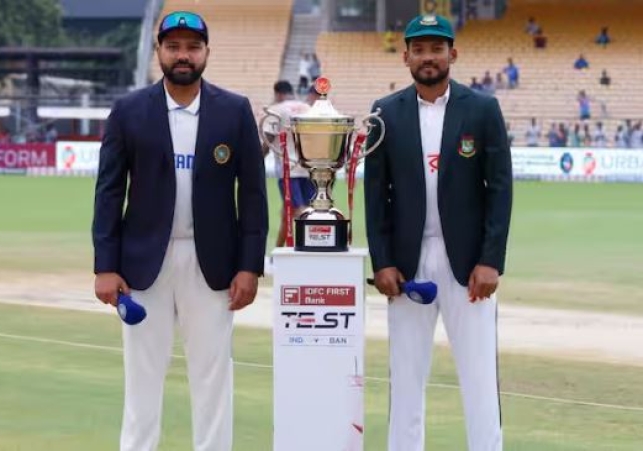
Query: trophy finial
x=322 y=86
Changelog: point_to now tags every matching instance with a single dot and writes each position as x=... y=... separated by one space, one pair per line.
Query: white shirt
x=184 y=123
x=532 y=134
x=431 y=123
x=287 y=109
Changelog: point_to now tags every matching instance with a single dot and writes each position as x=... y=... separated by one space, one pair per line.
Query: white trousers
x=471 y=329
x=180 y=295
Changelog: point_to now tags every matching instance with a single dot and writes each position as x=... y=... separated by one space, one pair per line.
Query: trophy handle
x=274 y=144
x=369 y=128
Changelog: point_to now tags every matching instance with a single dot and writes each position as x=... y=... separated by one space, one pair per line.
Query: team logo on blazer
x=221 y=154
x=467 y=147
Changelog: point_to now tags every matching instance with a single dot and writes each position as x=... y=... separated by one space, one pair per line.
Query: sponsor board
x=318 y=343
x=578 y=164
x=24 y=156
x=77 y=155
x=309 y=295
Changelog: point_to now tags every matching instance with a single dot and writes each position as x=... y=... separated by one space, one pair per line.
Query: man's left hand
x=243 y=290
x=483 y=282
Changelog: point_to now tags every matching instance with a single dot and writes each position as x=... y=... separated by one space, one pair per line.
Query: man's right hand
x=388 y=280
x=107 y=286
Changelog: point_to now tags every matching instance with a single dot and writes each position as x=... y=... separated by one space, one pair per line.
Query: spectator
x=314 y=68
x=586 y=136
x=532 y=134
x=532 y=27
x=510 y=134
x=304 y=73
x=562 y=135
x=620 y=139
x=636 y=137
x=552 y=136
x=301 y=187
x=5 y=137
x=605 y=79
x=487 y=83
x=581 y=63
x=51 y=134
x=584 y=106
x=574 y=137
x=513 y=74
x=475 y=84
x=540 y=40
x=500 y=82
x=603 y=37
x=628 y=130
x=600 y=138
x=389 y=40
x=312 y=96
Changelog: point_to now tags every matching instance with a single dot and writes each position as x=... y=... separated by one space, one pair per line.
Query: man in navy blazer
x=185 y=157
x=438 y=205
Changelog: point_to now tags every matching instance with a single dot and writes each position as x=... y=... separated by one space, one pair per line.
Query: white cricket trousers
x=179 y=295
x=471 y=330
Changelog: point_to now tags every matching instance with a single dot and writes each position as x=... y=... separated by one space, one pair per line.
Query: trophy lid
x=322 y=109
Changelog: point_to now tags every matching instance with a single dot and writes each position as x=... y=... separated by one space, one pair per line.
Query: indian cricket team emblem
x=429 y=20
x=467 y=147
x=221 y=154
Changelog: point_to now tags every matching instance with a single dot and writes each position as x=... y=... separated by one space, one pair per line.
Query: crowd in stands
x=43 y=133
x=506 y=79
x=628 y=135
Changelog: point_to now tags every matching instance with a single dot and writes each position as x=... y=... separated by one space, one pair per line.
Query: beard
x=182 y=78
x=428 y=80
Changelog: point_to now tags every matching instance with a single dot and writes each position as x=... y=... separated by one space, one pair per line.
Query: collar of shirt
x=440 y=101
x=192 y=108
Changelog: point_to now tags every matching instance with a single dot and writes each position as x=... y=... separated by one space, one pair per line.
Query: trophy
x=324 y=141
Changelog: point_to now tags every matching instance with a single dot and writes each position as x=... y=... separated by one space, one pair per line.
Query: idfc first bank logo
x=318 y=295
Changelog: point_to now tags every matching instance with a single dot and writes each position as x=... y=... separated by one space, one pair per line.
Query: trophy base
x=321 y=235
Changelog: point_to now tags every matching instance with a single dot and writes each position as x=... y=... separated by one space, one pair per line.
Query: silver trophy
x=324 y=140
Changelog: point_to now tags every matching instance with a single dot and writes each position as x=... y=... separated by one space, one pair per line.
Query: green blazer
x=474 y=184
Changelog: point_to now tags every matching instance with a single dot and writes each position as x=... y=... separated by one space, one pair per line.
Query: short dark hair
x=283 y=87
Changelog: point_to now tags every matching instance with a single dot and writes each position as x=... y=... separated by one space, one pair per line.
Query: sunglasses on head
x=182 y=19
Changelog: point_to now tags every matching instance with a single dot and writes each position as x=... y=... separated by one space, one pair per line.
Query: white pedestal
x=318 y=343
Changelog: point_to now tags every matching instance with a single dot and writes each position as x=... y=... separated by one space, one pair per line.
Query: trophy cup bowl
x=323 y=139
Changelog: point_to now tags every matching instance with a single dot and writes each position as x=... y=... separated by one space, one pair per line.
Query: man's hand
x=483 y=282
x=243 y=290
x=388 y=280
x=107 y=286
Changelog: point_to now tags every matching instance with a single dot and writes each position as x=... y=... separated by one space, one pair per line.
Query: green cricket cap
x=429 y=25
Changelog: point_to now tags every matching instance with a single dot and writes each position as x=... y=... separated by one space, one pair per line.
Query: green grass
x=55 y=396
x=574 y=246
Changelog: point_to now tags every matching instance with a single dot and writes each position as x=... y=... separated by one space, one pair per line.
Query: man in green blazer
x=438 y=205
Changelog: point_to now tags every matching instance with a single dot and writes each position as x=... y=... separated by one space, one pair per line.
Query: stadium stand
x=361 y=70
x=247 y=41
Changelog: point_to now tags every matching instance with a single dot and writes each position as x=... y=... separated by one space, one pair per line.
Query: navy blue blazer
x=474 y=184
x=228 y=197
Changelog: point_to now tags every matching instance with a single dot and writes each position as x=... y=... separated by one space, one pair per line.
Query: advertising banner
x=17 y=158
x=318 y=344
x=578 y=164
x=77 y=155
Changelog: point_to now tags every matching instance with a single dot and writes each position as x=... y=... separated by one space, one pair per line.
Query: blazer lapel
x=160 y=122
x=208 y=119
x=412 y=148
x=451 y=131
